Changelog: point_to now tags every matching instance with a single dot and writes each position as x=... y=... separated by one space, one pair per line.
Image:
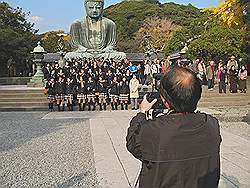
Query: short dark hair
x=181 y=88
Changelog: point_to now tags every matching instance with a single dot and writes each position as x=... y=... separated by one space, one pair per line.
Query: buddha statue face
x=94 y=8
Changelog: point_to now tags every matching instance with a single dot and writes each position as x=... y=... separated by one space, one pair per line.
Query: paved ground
x=87 y=149
x=45 y=153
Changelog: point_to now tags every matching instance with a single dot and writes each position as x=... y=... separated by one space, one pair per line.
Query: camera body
x=156 y=95
x=158 y=107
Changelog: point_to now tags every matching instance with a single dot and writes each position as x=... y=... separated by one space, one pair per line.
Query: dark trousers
x=210 y=83
x=222 y=87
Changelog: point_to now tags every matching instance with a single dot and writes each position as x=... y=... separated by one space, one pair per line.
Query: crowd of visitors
x=98 y=83
x=230 y=73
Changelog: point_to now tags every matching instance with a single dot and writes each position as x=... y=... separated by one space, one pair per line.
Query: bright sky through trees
x=59 y=14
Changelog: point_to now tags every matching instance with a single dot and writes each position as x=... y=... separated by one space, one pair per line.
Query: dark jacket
x=91 y=87
x=59 y=88
x=69 y=88
x=81 y=89
x=46 y=72
x=124 y=87
x=101 y=87
x=114 y=88
x=177 y=151
x=51 y=88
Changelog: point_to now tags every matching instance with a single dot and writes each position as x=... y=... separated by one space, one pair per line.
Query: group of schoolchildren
x=89 y=83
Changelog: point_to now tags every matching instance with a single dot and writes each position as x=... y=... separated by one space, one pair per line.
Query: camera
x=158 y=107
x=155 y=95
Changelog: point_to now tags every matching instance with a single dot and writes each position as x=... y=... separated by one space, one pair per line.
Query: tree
x=230 y=13
x=129 y=18
x=17 y=36
x=185 y=35
x=155 y=33
x=218 y=42
x=50 y=41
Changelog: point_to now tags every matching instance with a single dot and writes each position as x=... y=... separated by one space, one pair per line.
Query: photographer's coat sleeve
x=134 y=135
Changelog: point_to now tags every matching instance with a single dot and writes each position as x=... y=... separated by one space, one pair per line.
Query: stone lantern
x=37 y=79
x=61 y=49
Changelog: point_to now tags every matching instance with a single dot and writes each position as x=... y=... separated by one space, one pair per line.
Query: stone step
x=21 y=91
x=24 y=99
x=14 y=80
x=23 y=104
x=23 y=109
x=22 y=95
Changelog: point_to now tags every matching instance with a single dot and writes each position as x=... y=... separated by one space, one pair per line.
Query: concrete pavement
x=115 y=167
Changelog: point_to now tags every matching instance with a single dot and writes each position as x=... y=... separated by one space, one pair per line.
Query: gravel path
x=45 y=153
x=236 y=121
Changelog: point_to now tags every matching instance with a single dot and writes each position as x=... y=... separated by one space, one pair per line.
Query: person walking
x=210 y=76
x=232 y=62
x=201 y=71
x=134 y=92
x=233 y=79
x=222 y=79
x=243 y=79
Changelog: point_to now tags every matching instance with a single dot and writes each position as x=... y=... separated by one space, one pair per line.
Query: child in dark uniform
x=101 y=88
x=50 y=86
x=124 y=93
x=60 y=93
x=114 y=93
x=91 y=89
x=81 y=93
x=69 y=94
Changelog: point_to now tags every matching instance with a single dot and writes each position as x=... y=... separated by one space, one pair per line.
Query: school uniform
x=81 y=95
x=50 y=86
x=69 y=94
x=91 y=89
x=114 y=95
x=101 y=89
x=60 y=94
x=124 y=94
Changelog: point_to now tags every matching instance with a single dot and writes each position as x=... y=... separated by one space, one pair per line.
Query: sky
x=49 y=15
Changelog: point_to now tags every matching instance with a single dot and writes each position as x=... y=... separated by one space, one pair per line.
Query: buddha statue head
x=94 y=8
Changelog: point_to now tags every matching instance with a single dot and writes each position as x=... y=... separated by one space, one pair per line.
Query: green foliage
x=130 y=16
x=218 y=42
x=17 y=36
x=50 y=41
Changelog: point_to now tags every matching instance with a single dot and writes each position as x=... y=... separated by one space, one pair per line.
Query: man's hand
x=145 y=105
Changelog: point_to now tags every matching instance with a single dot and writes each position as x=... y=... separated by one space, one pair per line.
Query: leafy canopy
x=17 y=36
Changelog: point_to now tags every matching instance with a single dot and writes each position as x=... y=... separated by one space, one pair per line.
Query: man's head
x=94 y=8
x=181 y=90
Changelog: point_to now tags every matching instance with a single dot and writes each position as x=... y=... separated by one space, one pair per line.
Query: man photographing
x=180 y=149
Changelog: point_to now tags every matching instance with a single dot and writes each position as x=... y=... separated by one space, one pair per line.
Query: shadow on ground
x=17 y=128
